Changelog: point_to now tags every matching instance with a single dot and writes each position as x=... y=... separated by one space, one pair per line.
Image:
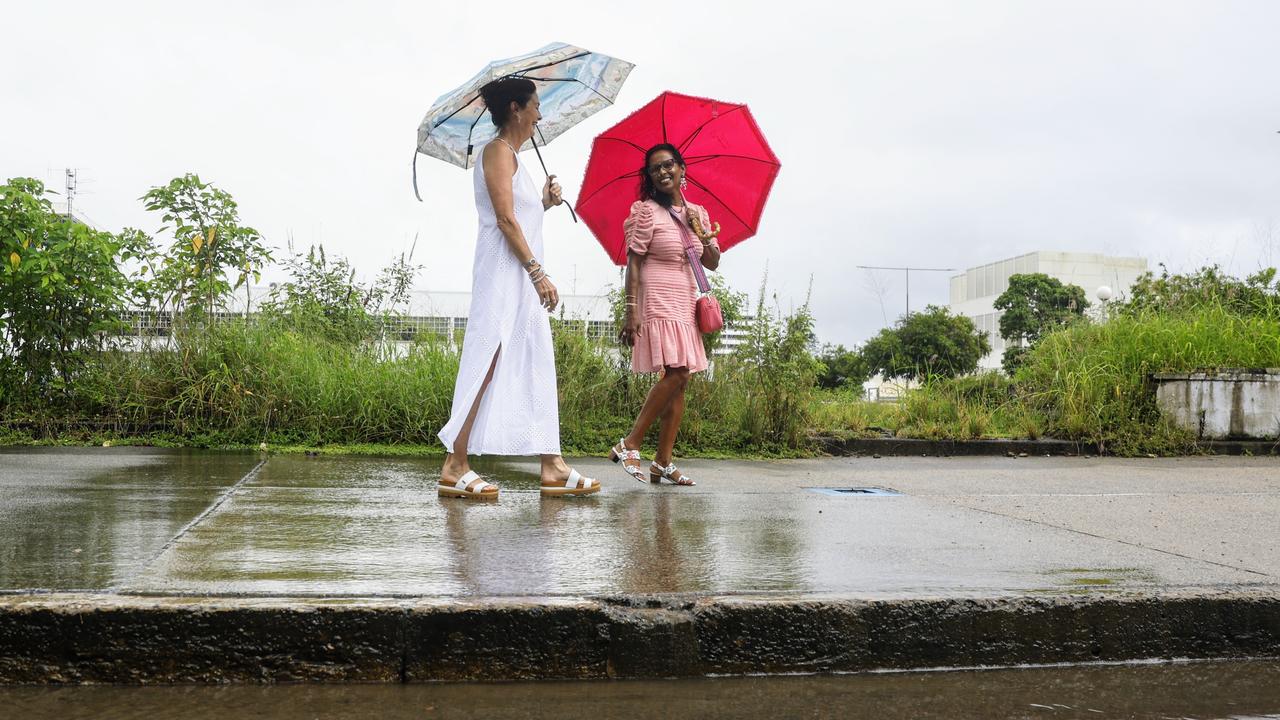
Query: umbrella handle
x=541 y=162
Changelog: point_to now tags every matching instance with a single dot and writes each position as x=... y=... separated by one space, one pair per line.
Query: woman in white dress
x=505 y=401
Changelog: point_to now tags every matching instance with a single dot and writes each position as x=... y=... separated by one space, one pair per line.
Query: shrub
x=61 y=293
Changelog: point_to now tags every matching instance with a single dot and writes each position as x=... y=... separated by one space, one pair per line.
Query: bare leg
x=660 y=395
x=670 y=426
x=455 y=463
x=554 y=470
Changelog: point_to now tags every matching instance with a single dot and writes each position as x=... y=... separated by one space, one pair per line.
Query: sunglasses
x=668 y=165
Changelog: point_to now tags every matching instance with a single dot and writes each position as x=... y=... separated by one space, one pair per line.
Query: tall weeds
x=1092 y=382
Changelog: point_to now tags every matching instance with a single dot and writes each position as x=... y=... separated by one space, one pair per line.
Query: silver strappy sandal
x=630 y=460
x=657 y=474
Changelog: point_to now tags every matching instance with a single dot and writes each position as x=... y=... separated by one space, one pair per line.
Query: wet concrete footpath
x=143 y=565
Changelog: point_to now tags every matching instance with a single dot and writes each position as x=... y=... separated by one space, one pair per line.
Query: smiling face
x=524 y=118
x=665 y=171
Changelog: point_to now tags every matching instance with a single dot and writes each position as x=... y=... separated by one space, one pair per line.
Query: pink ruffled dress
x=668 y=332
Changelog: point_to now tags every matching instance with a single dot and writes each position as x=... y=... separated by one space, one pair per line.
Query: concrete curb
x=891 y=447
x=130 y=639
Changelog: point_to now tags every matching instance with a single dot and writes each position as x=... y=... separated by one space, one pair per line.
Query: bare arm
x=499 y=168
x=710 y=255
x=631 y=289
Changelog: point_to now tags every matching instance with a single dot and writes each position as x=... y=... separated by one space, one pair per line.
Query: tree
x=61 y=290
x=1034 y=305
x=841 y=367
x=928 y=344
x=210 y=245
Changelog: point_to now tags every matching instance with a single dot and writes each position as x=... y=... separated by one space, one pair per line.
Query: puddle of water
x=1187 y=690
x=88 y=518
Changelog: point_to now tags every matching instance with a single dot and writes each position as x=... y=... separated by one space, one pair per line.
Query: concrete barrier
x=143 y=640
x=1235 y=404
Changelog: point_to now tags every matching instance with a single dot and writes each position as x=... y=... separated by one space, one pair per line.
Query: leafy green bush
x=209 y=245
x=61 y=293
x=1209 y=287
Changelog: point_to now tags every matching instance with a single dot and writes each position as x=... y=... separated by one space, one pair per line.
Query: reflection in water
x=1193 y=690
x=374 y=526
x=662 y=555
x=90 y=518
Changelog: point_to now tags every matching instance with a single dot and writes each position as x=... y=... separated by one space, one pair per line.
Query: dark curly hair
x=648 y=191
x=499 y=94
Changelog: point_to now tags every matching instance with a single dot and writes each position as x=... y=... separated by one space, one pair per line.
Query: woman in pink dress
x=659 y=324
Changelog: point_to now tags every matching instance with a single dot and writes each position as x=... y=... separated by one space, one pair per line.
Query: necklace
x=504 y=142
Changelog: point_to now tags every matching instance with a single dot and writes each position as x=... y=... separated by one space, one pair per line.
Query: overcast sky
x=938 y=134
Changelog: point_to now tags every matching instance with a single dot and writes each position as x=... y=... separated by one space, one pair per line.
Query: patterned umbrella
x=729 y=167
x=573 y=84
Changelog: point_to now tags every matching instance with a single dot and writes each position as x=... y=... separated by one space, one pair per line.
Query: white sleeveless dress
x=519 y=413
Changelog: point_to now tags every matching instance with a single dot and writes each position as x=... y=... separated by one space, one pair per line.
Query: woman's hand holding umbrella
x=551 y=193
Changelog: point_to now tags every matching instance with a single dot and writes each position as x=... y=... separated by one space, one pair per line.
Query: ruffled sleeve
x=637 y=229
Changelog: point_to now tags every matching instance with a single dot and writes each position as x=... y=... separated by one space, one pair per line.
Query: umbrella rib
x=622 y=140
x=446 y=118
x=698 y=129
x=703 y=158
x=723 y=204
x=663 y=115
x=598 y=190
x=521 y=73
x=597 y=92
x=471 y=130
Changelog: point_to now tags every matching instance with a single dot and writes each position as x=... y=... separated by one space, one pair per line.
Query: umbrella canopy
x=729 y=166
x=573 y=84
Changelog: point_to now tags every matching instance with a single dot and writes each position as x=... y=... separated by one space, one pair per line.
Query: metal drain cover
x=854 y=491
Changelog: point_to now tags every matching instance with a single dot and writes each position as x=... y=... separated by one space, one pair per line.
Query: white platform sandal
x=463 y=488
x=630 y=460
x=575 y=485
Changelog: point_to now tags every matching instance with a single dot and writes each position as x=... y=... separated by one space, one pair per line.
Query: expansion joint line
x=222 y=498
x=1115 y=540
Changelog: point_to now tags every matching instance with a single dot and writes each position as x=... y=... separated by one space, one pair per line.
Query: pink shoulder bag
x=707 y=310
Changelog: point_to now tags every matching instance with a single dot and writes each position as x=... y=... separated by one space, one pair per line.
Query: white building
x=973 y=293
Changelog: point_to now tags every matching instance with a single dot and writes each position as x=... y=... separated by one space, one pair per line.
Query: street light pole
x=906 y=270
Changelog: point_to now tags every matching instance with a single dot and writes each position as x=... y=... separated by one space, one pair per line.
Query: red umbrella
x=730 y=167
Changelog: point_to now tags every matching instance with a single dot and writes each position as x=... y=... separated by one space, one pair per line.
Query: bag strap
x=699 y=275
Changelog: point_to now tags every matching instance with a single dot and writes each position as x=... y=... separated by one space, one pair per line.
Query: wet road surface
x=158 y=522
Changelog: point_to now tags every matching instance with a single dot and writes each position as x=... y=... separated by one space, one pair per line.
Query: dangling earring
x=684 y=182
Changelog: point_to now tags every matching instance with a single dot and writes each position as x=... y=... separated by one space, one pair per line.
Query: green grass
x=238 y=385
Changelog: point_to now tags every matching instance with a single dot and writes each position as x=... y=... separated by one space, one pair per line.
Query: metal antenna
x=907 y=270
x=71 y=190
